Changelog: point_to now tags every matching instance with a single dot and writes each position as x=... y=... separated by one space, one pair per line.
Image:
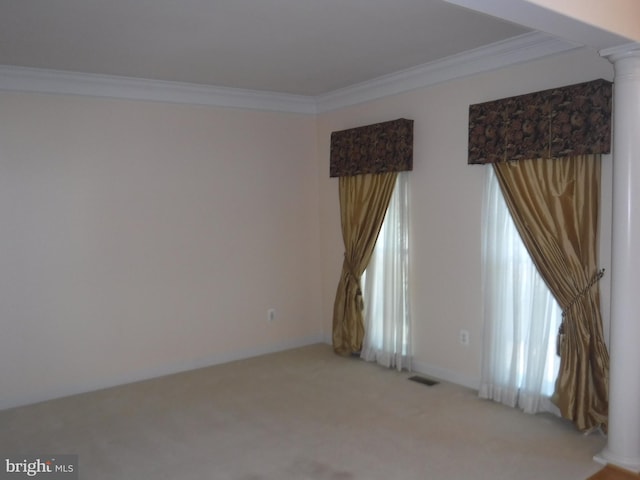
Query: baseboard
x=160 y=371
x=432 y=371
x=446 y=375
x=256 y=352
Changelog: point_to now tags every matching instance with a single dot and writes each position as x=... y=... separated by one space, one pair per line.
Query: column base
x=606 y=457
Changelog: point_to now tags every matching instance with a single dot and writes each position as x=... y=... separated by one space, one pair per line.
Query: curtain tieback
x=352 y=272
x=560 y=338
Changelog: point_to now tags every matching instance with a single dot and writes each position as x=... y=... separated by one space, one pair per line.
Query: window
x=521 y=315
x=386 y=287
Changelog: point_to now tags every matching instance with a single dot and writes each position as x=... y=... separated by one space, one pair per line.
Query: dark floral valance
x=379 y=148
x=559 y=122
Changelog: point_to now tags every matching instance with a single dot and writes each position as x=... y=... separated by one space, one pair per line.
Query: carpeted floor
x=298 y=415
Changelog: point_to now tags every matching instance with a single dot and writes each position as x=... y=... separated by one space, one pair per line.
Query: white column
x=623 y=441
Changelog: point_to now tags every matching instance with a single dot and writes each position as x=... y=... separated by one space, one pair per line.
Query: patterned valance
x=552 y=123
x=379 y=148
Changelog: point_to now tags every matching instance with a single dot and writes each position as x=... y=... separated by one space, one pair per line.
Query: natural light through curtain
x=386 y=287
x=521 y=316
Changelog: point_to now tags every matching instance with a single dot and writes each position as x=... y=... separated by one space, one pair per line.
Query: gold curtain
x=363 y=203
x=554 y=204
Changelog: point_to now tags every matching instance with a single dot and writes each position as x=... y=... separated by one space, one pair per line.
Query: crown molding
x=26 y=79
x=628 y=49
x=516 y=50
x=520 y=49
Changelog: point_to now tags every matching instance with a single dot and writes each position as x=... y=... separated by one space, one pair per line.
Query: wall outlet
x=464 y=337
x=271 y=315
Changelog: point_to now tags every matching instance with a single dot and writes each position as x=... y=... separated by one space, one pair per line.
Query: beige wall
x=142 y=238
x=618 y=16
x=446 y=203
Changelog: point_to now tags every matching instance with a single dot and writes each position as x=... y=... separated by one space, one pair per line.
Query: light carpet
x=301 y=414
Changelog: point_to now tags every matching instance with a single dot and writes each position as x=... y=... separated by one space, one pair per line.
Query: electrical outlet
x=271 y=314
x=464 y=337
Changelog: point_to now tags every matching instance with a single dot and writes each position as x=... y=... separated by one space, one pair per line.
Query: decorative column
x=623 y=442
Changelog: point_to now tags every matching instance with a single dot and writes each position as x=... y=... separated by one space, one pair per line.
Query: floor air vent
x=425 y=381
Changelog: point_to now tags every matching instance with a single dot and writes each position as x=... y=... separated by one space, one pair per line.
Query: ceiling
x=305 y=47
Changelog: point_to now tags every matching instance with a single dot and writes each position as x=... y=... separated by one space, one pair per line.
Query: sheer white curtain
x=386 y=287
x=521 y=316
